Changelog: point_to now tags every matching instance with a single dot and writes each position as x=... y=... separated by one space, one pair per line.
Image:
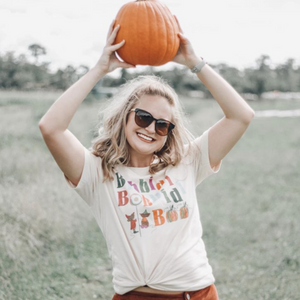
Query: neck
x=141 y=162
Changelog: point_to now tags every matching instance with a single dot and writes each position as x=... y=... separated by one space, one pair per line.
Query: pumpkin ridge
x=175 y=37
x=170 y=39
x=160 y=35
x=147 y=36
x=161 y=61
x=143 y=39
x=132 y=15
x=140 y=36
x=119 y=19
x=156 y=51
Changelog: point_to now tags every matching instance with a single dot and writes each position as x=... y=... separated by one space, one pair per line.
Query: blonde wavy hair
x=111 y=143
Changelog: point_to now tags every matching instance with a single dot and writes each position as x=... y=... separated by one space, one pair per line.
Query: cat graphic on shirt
x=132 y=221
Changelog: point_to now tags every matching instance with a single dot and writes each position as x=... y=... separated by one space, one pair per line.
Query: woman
x=140 y=177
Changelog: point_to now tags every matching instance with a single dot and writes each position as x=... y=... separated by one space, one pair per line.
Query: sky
x=235 y=32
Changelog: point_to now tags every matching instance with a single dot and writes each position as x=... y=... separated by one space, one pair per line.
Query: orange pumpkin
x=172 y=215
x=150 y=33
x=184 y=211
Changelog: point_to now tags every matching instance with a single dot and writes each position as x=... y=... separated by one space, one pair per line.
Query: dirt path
x=277 y=113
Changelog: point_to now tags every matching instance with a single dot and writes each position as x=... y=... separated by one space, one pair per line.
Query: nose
x=151 y=127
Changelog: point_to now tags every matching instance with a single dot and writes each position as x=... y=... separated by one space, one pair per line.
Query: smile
x=145 y=137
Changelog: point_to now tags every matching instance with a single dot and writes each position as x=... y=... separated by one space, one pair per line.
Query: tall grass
x=51 y=248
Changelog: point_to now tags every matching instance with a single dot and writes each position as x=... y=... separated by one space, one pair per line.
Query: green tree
x=261 y=74
x=8 y=69
x=36 y=51
x=258 y=79
x=287 y=76
x=233 y=75
x=63 y=79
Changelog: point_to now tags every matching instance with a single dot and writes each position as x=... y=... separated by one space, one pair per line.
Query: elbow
x=244 y=118
x=248 y=118
x=41 y=125
x=44 y=129
x=251 y=116
x=49 y=127
x=248 y=115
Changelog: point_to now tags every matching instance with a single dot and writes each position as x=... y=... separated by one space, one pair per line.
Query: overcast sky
x=235 y=32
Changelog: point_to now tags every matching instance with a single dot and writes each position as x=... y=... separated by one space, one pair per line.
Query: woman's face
x=141 y=149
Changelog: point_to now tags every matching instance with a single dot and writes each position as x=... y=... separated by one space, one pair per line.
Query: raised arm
x=237 y=113
x=66 y=149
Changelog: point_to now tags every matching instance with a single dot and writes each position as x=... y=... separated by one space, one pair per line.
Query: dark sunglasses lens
x=162 y=127
x=143 y=118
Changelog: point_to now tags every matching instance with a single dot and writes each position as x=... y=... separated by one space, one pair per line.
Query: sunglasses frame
x=170 y=128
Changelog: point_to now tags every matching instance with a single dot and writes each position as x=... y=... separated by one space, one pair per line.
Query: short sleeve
x=91 y=176
x=202 y=165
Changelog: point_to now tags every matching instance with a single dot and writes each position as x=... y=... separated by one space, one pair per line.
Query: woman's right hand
x=108 y=60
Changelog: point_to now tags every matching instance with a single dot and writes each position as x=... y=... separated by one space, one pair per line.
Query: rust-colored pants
x=208 y=293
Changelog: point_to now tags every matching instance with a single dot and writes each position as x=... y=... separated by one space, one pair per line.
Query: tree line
x=19 y=73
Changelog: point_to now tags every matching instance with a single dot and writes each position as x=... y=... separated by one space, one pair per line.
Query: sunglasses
x=144 y=119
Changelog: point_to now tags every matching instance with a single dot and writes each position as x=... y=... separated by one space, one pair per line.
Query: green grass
x=51 y=248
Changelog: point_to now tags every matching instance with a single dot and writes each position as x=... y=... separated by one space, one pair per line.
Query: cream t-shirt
x=151 y=223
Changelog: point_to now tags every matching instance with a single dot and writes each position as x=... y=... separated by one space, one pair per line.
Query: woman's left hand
x=186 y=55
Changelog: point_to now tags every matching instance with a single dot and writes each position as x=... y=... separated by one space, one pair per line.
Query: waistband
x=181 y=295
x=154 y=295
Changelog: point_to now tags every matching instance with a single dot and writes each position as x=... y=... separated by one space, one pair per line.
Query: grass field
x=51 y=248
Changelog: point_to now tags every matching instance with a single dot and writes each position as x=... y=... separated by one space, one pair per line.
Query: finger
x=113 y=35
x=183 y=39
x=180 y=29
x=126 y=65
x=111 y=26
x=116 y=46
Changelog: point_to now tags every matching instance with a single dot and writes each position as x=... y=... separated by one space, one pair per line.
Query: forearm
x=232 y=104
x=60 y=114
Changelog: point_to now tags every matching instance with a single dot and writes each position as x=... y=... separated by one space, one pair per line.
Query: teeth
x=144 y=137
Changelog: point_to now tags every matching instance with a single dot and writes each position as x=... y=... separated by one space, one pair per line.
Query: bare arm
x=66 y=149
x=238 y=114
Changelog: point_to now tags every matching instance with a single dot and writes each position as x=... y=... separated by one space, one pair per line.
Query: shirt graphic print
x=151 y=204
